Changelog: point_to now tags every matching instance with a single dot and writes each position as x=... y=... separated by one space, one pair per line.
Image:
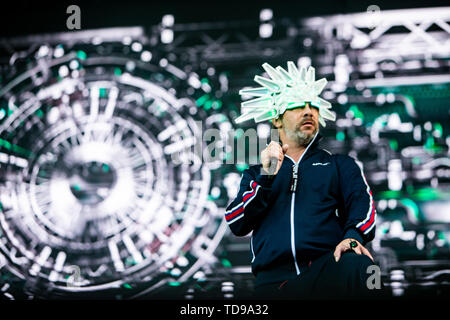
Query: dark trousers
x=325 y=279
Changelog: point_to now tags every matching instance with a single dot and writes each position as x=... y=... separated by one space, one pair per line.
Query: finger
x=338 y=252
x=357 y=250
x=278 y=167
x=273 y=144
x=274 y=149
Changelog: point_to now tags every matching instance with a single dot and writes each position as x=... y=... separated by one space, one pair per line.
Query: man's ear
x=277 y=123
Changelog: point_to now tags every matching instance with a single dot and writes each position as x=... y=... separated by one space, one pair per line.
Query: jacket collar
x=311 y=148
x=315 y=142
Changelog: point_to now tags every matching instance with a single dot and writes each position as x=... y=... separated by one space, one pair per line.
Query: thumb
x=285 y=148
x=337 y=254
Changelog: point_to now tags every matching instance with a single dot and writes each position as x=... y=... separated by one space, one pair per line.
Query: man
x=310 y=212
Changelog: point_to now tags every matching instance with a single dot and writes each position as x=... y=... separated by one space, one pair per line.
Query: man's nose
x=307 y=109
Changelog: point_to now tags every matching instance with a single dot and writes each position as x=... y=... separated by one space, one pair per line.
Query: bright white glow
x=163 y=62
x=59 y=52
x=206 y=87
x=74 y=64
x=126 y=40
x=53 y=115
x=43 y=51
x=265 y=30
x=96 y=41
x=380 y=99
x=392 y=203
x=342 y=99
x=304 y=62
x=166 y=36
x=390 y=97
x=146 y=56
x=182 y=261
x=382 y=204
x=263 y=130
x=194 y=81
x=396 y=229
x=136 y=47
x=215 y=192
x=63 y=71
x=130 y=65
x=420 y=241
x=168 y=20
x=265 y=14
x=307 y=42
x=395 y=174
x=360 y=41
x=394 y=121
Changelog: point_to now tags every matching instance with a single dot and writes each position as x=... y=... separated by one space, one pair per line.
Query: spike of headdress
x=284 y=90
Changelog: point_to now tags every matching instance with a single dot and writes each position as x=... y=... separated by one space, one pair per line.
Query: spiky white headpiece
x=285 y=90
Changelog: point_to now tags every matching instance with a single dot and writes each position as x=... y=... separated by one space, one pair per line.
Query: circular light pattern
x=91 y=196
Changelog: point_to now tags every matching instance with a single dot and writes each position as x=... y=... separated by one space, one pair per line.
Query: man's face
x=301 y=124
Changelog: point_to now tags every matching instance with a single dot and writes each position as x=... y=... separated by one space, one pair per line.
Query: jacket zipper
x=293 y=190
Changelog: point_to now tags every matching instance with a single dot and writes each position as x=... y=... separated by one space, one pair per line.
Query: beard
x=300 y=137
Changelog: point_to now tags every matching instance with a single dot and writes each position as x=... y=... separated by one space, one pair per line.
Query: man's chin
x=307 y=132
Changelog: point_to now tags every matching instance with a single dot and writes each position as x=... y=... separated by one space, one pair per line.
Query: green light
x=126 y=285
x=390 y=194
x=174 y=284
x=200 y=101
x=211 y=197
x=217 y=104
x=241 y=166
x=438 y=129
x=429 y=144
x=105 y=168
x=393 y=144
x=81 y=55
x=413 y=208
x=208 y=105
x=239 y=133
x=426 y=194
x=411 y=99
x=228 y=156
x=340 y=136
x=117 y=71
x=226 y=263
x=410 y=189
x=102 y=92
x=356 y=112
x=76 y=187
x=5 y=144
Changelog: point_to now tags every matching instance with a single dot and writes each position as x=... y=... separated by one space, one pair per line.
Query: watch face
x=101 y=187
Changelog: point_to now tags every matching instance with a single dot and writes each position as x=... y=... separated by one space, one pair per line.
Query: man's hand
x=344 y=245
x=272 y=157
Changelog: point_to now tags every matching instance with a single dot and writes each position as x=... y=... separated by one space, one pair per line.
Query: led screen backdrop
x=119 y=154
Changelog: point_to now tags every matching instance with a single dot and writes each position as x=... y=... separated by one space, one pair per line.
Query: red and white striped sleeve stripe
x=237 y=212
x=369 y=222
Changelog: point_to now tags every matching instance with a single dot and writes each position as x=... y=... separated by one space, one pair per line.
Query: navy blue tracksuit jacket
x=302 y=212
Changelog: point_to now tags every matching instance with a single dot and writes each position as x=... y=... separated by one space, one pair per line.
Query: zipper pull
x=294 y=178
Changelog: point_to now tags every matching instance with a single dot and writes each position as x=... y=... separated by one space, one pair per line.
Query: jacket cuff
x=354 y=234
x=265 y=180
